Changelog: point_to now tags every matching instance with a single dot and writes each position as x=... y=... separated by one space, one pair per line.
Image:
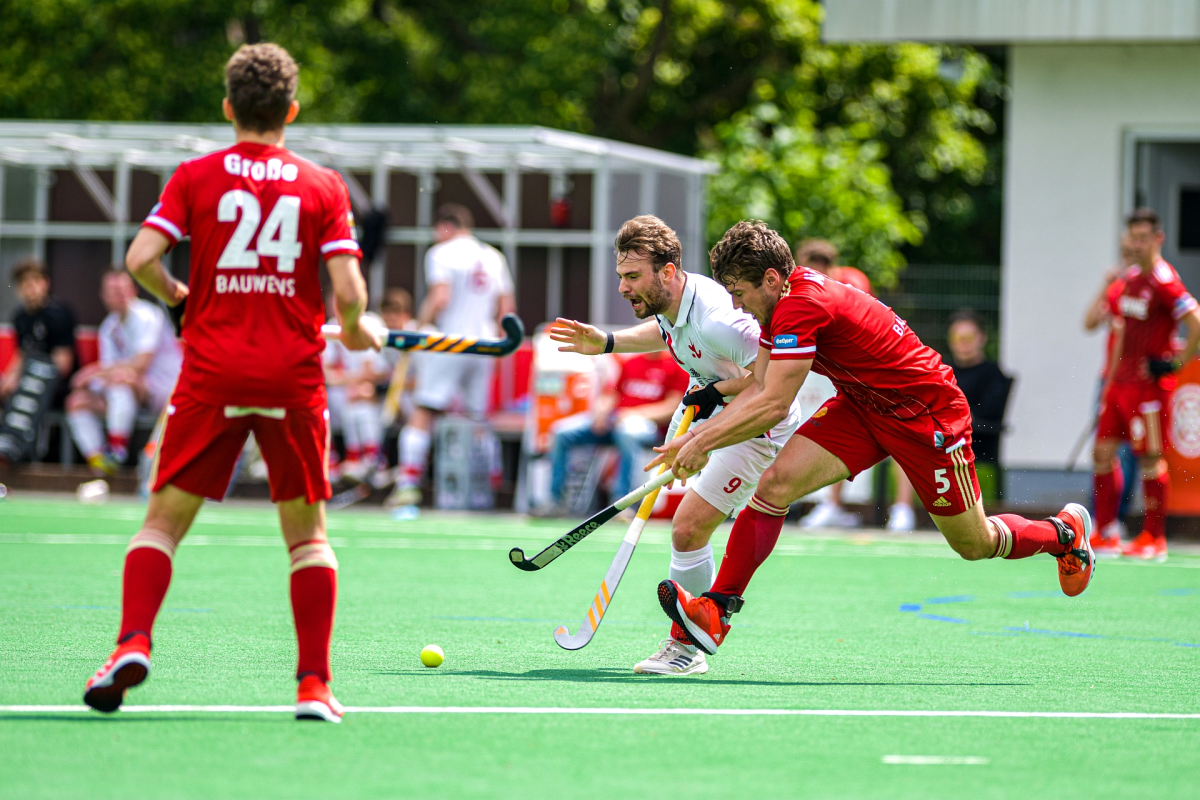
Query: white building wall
x=1070 y=108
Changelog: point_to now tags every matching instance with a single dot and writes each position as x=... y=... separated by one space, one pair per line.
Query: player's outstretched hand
x=578 y=337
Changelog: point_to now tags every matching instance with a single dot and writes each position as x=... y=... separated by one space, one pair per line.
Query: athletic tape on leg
x=155 y=540
x=1004 y=537
x=313 y=554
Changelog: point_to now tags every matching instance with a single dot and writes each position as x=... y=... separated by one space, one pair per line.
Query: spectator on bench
x=632 y=414
x=139 y=362
x=41 y=325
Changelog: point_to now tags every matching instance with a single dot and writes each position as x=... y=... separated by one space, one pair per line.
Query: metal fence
x=927 y=294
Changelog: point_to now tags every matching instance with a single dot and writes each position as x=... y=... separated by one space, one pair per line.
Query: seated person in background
x=352 y=377
x=632 y=414
x=40 y=325
x=397 y=312
x=822 y=255
x=985 y=386
x=139 y=363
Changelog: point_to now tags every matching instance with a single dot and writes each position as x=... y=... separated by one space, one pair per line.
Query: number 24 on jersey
x=278 y=237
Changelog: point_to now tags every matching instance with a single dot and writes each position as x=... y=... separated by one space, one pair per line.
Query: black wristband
x=176 y=313
x=610 y=342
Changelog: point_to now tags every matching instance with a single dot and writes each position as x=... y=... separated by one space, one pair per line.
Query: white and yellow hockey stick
x=612 y=579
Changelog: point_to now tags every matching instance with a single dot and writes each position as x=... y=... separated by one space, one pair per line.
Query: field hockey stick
x=616 y=570
x=449 y=343
x=582 y=531
x=360 y=491
x=1078 y=448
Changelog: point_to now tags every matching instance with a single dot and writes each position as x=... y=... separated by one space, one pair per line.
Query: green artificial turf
x=864 y=622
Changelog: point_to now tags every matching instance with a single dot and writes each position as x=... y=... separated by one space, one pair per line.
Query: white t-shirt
x=713 y=341
x=477 y=275
x=145 y=329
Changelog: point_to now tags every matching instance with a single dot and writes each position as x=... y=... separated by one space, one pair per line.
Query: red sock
x=1107 y=491
x=353 y=454
x=753 y=538
x=144 y=585
x=1022 y=538
x=1157 y=490
x=314 y=598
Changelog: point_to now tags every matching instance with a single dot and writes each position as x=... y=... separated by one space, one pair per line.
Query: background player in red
x=260 y=219
x=1133 y=406
x=895 y=397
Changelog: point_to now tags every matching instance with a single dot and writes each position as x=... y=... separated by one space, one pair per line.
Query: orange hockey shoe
x=705 y=618
x=1075 y=566
x=126 y=667
x=315 y=701
x=1107 y=543
x=1147 y=547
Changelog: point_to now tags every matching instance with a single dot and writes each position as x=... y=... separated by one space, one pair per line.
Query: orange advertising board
x=1183 y=442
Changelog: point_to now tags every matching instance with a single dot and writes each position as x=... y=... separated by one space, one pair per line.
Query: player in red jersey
x=1134 y=404
x=261 y=219
x=895 y=397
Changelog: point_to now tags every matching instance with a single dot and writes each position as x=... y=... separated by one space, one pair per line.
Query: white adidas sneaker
x=673 y=658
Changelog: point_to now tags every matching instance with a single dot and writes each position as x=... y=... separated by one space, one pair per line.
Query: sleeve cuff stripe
x=792 y=351
x=339 y=244
x=167 y=227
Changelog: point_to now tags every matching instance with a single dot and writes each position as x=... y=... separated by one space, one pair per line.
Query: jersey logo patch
x=941 y=502
x=785 y=340
x=694 y=351
x=822 y=411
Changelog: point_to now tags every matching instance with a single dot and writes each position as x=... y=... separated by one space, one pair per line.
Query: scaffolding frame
x=377 y=150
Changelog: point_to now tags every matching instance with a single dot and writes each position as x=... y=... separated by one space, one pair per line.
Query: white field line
x=936 y=760
x=556 y=710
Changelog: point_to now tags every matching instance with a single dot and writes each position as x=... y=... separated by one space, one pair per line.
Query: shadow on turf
x=603 y=675
x=137 y=717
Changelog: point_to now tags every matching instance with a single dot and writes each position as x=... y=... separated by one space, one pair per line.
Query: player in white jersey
x=351 y=379
x=695 y=320
x=468 y=289
x=139 y=362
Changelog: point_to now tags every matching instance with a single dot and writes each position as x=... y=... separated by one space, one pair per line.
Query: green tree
x=880 y=148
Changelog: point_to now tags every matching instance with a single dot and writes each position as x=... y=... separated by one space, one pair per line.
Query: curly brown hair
x=260 y=81
x=747 y=251
x=651 y=237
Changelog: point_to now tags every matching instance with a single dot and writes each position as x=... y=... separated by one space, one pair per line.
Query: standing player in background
x=696 y=322
x=1099 y=314
x=895 y=397
x=139 y=362
x=468 y=290
x=261 y=219
x=822 y=256
x=1134 y=405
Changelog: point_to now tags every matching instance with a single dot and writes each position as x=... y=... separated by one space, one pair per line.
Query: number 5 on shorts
x=943 y=483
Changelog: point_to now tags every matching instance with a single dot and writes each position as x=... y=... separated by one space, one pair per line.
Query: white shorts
x=442 y=378
x=729 y=479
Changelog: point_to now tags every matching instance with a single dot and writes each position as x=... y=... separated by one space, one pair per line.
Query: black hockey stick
x=581 y=532
x=449 y=343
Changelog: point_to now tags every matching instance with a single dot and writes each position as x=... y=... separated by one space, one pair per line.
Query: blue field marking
x=1046 y=632
x=910 y=606
x=1186 y=644
x=957 y=598
x=1179 y=592
x=940 y=618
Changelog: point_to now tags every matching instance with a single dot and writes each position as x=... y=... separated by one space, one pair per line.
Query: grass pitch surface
x=867 y=622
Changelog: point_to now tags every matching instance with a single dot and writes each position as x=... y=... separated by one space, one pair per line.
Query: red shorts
x=934 y=450
x=201 y=443
x=1136 y=412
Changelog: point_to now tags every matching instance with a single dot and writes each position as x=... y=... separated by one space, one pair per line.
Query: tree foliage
x=876 y=147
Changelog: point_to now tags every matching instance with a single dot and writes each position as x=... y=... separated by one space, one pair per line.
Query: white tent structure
x=74 y=193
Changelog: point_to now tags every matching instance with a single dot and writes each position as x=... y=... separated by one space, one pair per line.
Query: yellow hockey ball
x=432 y=656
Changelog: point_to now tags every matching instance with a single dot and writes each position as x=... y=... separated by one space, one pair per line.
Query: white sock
x=87 y=432
x=694 y=571
x=121 y=405
x=414 y=452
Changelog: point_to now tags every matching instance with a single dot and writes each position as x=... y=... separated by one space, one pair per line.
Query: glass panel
x=20 y=193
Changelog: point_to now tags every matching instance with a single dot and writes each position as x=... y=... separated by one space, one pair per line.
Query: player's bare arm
x=350 y=301
x=762 y=407
x=144 y=262
x=437 y=298
x=505 y=304
x=1191 y=322
x=579 y=337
